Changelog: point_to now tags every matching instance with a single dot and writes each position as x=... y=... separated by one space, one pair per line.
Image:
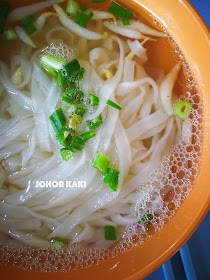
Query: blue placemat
x=192 y=262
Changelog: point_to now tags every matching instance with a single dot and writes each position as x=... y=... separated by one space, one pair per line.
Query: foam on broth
x=167 y=189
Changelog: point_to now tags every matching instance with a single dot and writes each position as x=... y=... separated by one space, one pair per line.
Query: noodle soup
x=109 y=190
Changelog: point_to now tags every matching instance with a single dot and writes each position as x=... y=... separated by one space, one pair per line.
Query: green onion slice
x=95 y=123
x=77 y=143
x=27 y=24
x=10 y=34
x=101 y=163
x=120 y=12
x=82 y=19
x=110 y=232
x=80 y=111
x=83 y=8
x=57 y=244
x=182 y=109
x=67 y=153
x=64 y=137
x=51 y=63
x=72 y=67
x=58 y=120
x=87 y=135
x=93 y=100
x=112 y=178
x=75 y=122
x=114 y=105
x=72 y=7
x=67 y=99
x=147 y=218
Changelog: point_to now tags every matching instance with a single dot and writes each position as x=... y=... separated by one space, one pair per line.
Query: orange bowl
x=193 y=38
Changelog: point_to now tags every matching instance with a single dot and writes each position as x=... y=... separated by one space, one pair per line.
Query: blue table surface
x=192 y=262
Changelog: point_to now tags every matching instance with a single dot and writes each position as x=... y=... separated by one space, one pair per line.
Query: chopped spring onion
x=111 y=178
x=121 y=12
x=147 y=218
x=79 y=96
x=80 y=111
x=90 y=15
x=101 y=163
x=182 y=109
x=72 y=8
x=77 y=143
x=60 y=78
x=110 y=232
x=82 y=19
x=10 y=34
x=93 y=100
x=75 y=122
x=97 y=1
x=58 y=120
x=64 y=137
x=87 y=135
x=67 y=99
x=69 y=93
x=114 y=105
x=27 y=24
x=83 y=8
x=17 y=77
x=67 y=153
x=126 y=21
x=4 y=10
x=72 y=67
x=95 y=123
x=51 y=63
x=57 y=244
x=80 y=74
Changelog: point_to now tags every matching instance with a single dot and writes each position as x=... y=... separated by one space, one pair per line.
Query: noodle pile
x=135 y=139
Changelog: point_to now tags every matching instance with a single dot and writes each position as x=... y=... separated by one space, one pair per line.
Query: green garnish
x=57 y=244
x=67 y=153
x=67 y=99
x=147 y=218
x=64 y=137
x=101 y=163
x=27 y=24
x=72 y=8
x=77 y=143
x=111 y=178
x=58 y=120
x=10 y=34
x=121 y=12
x=75 y=122
x=72 y=67
x=182 y=109
x=93 y=100
x=80 y=111
x=110 y=233
x=82 y=19
x=4 y=11
x=79 y=96
x=126 y=21
x=114 y=105
x=95 y=123
x=52 y=64
x=87 y=135
x=83 y=8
